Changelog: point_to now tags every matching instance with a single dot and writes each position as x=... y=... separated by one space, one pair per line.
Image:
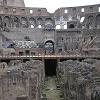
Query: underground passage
x=50 y=67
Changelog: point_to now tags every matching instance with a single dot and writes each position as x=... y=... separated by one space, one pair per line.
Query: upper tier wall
x=43 y=11
x=16 y=3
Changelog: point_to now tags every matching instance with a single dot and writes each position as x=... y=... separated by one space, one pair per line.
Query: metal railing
x=48 y=56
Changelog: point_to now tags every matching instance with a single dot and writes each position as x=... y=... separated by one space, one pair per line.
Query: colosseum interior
x=49 y=56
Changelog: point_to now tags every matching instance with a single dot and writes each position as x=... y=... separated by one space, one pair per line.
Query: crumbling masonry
x=29 y=35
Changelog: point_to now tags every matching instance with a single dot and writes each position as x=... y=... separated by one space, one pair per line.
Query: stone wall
x=21 y=79
x=79 y=80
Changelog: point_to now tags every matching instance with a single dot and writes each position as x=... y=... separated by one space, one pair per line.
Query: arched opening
x=32 y=23
x=39 y=21
x=27 y=38
x=71 y=26
x=65 y=11
x=65 y=26
x=24 y=22
x=49 y=47
x=82 y=10
x=90 y=22
x=32 y=26
x=49 y=23
x=82 y=19
x=31 y=11
x=98 y=21
x=7 y=21
x=16 y=22
x=39 y=26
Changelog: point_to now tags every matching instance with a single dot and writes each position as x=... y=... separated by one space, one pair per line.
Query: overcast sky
x=52 y=5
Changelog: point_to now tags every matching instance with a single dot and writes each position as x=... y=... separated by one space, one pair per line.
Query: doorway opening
x=50 y=67
x=49 y=47
x=27 y=52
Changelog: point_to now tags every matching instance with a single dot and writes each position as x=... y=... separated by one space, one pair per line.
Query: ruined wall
x=79 y=80
x=72 y=30
x=19 y=79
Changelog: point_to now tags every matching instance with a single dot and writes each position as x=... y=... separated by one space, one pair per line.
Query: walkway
x=51 y=57
x=50 y=90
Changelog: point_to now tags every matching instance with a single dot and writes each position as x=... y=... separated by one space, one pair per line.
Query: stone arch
x=32 y=23
x=7 y=21
x=49 y=23
x=98 y=21
x=49 y=47
x=40 y=22
x=16 y=22
x=24 y=22
x=90 y=23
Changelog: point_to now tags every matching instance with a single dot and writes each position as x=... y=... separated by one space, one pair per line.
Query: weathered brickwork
x=29 y=31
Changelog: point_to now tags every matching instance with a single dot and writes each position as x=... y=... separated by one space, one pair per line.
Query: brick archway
x=49 y=47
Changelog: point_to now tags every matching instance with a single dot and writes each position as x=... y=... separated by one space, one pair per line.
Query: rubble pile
x=80 y=80
x=22 y=80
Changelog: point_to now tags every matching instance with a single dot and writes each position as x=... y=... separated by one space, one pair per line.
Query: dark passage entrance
x=50 y=67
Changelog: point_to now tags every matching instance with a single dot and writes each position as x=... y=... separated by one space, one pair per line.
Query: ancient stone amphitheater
x=44 y=54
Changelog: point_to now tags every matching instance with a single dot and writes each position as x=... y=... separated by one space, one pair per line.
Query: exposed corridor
x=50 y=91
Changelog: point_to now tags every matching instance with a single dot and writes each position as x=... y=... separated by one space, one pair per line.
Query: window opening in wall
x=27 y=38
x=65 y=26
x=66 y=11
x=49 y=47
x=32 y=26
x=39 y=26
x=91 y=37
x=24 y=22
x=13 y=54
x=99 y=9
x=31 y=11
x=82 y=19
x=21 y=53
x=5 y=24
x=71 y=26
x=6 y=10
x=82 y=10
x=27 y=52
x=39 y=10
x=59 y=50
x=58 y=27
x=23 y=10
x=91 y=8
x=14 y=10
